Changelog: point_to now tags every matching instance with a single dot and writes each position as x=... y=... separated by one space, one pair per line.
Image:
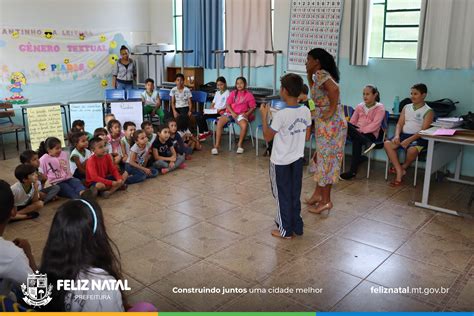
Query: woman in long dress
x=330 y=127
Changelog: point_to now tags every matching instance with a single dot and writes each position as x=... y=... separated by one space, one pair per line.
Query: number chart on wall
x=313 y=23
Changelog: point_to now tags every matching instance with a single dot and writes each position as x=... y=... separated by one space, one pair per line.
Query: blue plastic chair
x=199 y=97
x=276 y=104
x=165 y=97
x=114 y=94
x=134 y=94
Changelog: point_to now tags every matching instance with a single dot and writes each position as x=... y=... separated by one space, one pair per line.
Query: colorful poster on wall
x=313 y=23
x=128 y=111
x=91 y=113
x=32 y=55
x=44 y=122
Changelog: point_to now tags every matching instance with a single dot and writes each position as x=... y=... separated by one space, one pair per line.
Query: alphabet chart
x=313 y=23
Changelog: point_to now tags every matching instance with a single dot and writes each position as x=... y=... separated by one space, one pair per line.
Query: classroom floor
x=209 y=225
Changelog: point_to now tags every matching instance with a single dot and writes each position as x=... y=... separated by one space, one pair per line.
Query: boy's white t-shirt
x=14 y=266
x=181 y=97
x=220 y=99
x=94 y=300
x=290 y=125
x=21 y=197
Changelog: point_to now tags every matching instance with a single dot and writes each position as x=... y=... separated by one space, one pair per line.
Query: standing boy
x=289 y=130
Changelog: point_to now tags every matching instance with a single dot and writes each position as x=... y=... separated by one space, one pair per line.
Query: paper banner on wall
x=315 y=23
x=44 y=122
x=91 y=113
x=52 y=55
x=128 y=111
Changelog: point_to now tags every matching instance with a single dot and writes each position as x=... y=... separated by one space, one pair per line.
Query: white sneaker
x=240 y=150
x=214 y=151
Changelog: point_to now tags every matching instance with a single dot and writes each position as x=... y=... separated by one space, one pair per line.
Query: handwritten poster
x=313 y=23
x=44 y=122
x=91 y=113
x=128 y=111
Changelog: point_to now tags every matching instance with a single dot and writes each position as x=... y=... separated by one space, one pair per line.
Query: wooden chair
x=7 y=126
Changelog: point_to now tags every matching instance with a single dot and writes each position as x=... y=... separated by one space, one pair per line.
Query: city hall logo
x=37 y=291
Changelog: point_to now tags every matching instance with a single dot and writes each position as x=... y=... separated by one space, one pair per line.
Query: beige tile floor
x=209 y=225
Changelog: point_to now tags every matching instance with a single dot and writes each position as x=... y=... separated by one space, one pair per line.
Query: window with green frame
x=394 y=28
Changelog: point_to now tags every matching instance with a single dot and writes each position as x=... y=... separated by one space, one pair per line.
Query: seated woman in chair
x=414 y=117
x=364 y=127
x=240 y=107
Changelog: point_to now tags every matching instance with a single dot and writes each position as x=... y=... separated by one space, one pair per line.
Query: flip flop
x=30 y=215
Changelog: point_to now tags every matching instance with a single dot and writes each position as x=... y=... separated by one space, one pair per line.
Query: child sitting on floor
x=165 y=156
x=137 y=162
x=127 y=139
x=79 y=154
x=47 y=194
x=80 y=126
x=414 y=117
x=178 y=143
x=16 y=257
x=54 y=163
x=78 y=248
x=183 y=130
x=147 y=127
x=26 y=193
x=115 y=135
x=101 y=171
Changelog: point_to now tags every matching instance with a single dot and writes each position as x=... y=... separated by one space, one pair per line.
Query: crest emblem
x=37 y=291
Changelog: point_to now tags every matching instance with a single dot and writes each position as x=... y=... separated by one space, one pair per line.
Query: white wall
x=161 y=21
x=129 y=16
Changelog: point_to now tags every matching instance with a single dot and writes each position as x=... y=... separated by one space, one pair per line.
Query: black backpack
x=468 y=121
x=441 y=107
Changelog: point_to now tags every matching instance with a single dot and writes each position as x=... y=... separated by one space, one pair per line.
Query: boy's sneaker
x=369 y=149
x=182 y=166
x=214 y=151
x=164 y=171
x=202 y=136
x=240 y=150
x=188 y=157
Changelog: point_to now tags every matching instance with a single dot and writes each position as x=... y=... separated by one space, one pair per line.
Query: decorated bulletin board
x=44 y=122
x=39 y=56
x=128 y=111
x=92 y=113
x=313 y=23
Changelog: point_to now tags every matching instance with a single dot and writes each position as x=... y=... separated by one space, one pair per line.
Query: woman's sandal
x=395 y=183
x=313 y=201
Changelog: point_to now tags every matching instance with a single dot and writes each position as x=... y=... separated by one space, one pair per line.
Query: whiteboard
x=90 y=112
x=128 y=111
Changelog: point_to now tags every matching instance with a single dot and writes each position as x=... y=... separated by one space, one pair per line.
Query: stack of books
x=448 y=122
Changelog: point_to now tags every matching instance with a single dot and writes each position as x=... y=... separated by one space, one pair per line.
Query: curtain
x=248 y=26
x=203 y=31
x=360 y=32
x=446 y=36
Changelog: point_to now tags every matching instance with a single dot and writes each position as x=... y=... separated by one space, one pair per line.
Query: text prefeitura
x=93 y=285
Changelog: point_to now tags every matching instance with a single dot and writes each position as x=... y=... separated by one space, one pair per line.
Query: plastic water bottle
x=396 y=105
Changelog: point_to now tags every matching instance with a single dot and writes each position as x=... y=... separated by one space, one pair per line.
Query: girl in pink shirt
x=364 y=127
x=240 y=106
x=54 y=163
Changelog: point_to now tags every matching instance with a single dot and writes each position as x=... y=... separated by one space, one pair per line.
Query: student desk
x=441 y=151
x=64 y=112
